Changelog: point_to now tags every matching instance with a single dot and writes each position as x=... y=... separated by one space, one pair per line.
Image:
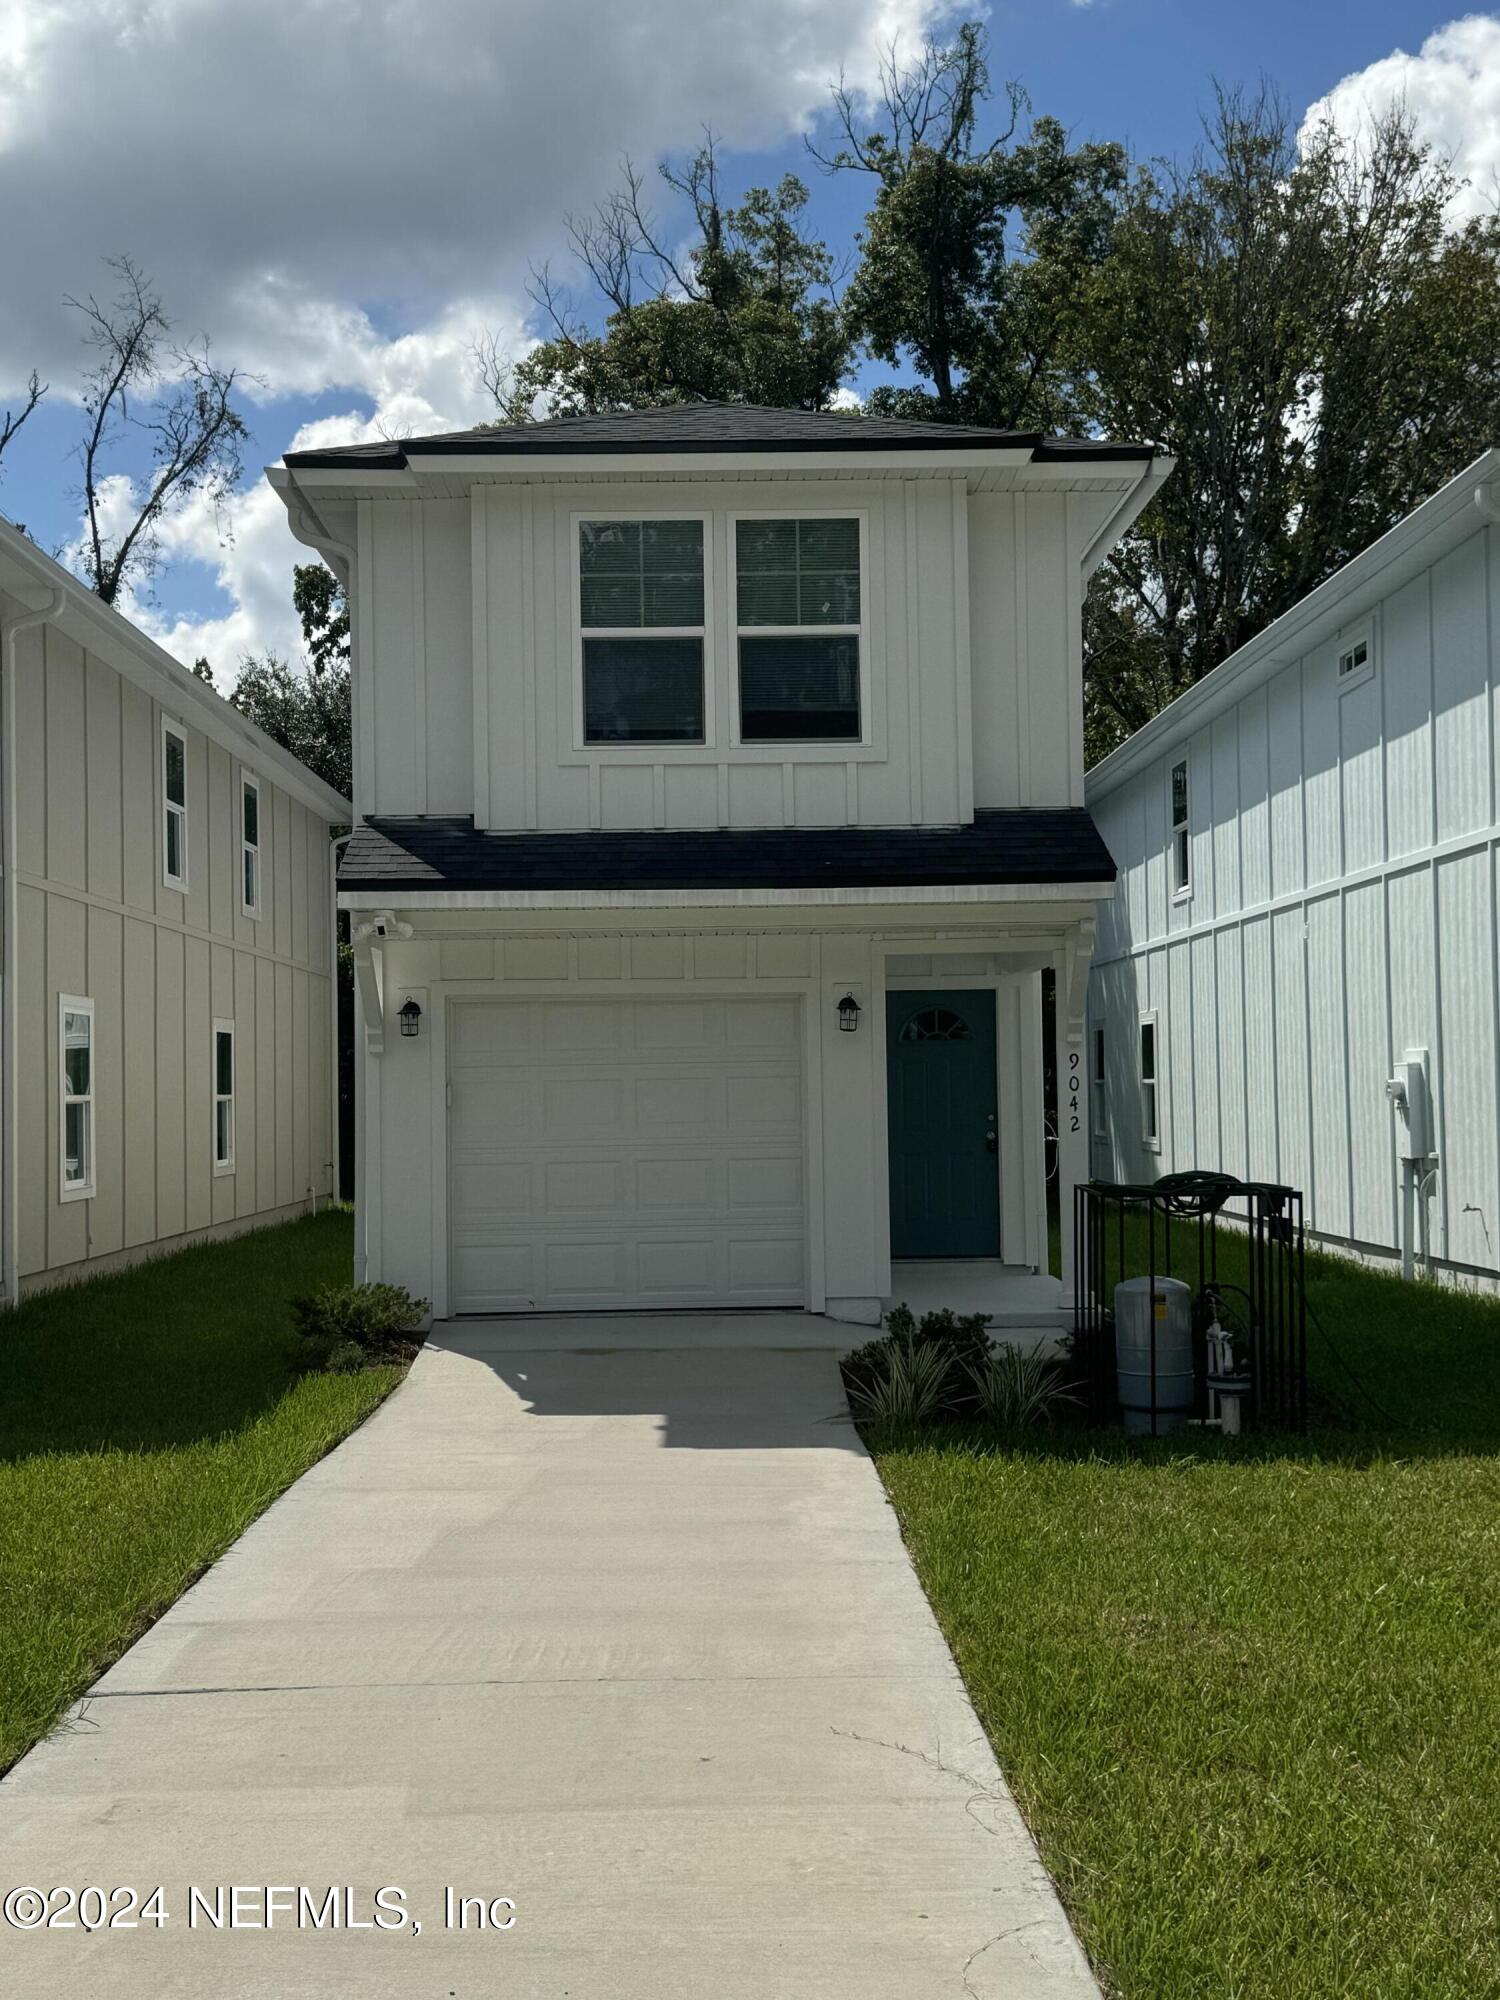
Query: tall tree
x=322 y=605
x=172 y=397
x=307 y=714
x=974 y=246
x=1319 y=346
x=745 y=314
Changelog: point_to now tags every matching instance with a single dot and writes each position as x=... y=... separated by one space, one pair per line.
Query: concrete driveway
x=607 y=1617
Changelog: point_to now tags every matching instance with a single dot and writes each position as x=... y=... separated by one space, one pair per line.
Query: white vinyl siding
x=223 y=1088
x=174 y=808
x=250 y=844
x=75 y=1020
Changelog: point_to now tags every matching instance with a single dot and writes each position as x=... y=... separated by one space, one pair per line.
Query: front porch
x=1022 y=1306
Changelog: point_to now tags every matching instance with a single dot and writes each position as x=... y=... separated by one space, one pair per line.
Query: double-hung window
x=76 y=1040
x=640 y=604
x=798 y=620
x=1182 y=862
x=249 y=846
x=1150 y=1127
x=173 y=806
x=223 y=1097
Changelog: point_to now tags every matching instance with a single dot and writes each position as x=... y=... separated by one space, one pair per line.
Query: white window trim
x=1363 y=634
x=84 y=1190
x=1098 y=1080
x=1148 y=1019
x=226 y=1165
x=1182 y=892
x=169 y=728
x=250 y=783
x=826 y=747
x=645 y=753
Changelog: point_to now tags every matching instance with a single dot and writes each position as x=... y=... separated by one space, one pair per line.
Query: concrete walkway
x=619 y=1627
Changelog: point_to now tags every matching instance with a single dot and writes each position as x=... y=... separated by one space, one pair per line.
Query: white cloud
x=344 y=194
x=318 y=183
x=1451 y=87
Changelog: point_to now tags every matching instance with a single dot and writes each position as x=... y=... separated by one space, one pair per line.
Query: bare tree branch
x=10 y=422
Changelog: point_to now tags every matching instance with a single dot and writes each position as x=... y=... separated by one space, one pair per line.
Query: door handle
x=991 y=1140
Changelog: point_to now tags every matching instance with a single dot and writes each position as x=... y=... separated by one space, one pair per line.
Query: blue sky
x=350 y=259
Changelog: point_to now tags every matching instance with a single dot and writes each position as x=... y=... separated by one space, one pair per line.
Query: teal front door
x=945 y=1191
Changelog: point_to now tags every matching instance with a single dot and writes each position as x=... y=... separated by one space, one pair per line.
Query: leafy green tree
x=972 y=254
x=1317 y=344
x=307 y=714
x=745 y=315
x=322 y=606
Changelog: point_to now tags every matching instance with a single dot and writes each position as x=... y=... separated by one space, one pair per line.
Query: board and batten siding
x=1345 y=851
x=95 y=919
x=973 y=649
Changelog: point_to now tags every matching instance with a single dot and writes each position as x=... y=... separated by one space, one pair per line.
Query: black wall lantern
x=410 y=1017
x=848 y=1014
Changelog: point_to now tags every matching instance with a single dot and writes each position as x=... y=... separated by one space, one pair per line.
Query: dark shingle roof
x=999 y=848
x=688 y=427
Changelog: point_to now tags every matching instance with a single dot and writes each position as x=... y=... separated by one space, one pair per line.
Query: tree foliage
x=322 y=604
x=1319 y=347
x=307 y=714
x=172 y=397
x=745 y=315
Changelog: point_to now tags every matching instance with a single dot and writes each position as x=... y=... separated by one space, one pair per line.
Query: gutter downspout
x=10 y=1136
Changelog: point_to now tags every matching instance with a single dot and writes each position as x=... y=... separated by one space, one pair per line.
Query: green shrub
x=884 y=1368
x=1014 y=1389
x=907 y=1387
x=346 y=1327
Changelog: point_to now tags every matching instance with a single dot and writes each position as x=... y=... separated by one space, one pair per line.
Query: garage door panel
x=769 y=1101
x=626 y=1153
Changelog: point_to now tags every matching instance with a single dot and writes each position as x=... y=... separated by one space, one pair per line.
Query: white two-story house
x=719 y=811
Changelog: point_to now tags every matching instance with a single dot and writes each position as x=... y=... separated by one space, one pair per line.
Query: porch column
x=1070 y=1017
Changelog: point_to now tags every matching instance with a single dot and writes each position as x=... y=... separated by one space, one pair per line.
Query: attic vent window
x=1356 y=662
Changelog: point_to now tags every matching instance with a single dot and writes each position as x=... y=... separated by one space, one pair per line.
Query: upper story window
x=76 y=1108
x=1356 y=659
x=799 y=617
x=173 y=806
x=640 y=607
x=1182 y=859
x=250 y=846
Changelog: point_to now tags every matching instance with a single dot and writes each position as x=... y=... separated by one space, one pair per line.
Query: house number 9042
x=1074 y=1073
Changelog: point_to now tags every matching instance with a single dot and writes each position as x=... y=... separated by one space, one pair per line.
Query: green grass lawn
x=145 y=1420
x=1248 y=1692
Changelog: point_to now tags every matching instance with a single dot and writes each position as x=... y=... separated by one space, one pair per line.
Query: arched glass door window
x=936 y=1024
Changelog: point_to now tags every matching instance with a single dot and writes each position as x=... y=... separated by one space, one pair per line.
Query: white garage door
x=621 y=1153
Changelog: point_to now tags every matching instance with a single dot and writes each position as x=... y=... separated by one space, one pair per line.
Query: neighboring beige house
x=166 y=1004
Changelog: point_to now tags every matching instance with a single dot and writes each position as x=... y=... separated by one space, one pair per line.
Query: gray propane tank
x=1171 y=1302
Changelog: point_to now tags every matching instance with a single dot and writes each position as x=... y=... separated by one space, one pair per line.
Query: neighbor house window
x=173 y=806
x=76 y=1041
x=250 y=846
x=223 y=1097
x=1356 y=659
x=1181 y=853
x=1150 y=1129
x=1100 y=1121
x=798 y=611
x=640 y=605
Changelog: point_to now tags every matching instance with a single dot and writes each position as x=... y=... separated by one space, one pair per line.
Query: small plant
x=884 y=1369
x=906 y=1384
x=347 y=1327
x=1014 y=1389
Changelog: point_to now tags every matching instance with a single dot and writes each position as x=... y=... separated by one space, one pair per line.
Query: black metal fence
x=1239 y=1246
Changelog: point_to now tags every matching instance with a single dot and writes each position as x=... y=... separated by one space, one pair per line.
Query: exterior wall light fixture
x=848 y=1015
x=410 y=1018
